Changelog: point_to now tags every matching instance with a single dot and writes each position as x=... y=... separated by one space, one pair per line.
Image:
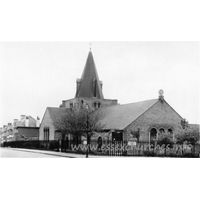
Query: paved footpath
x=11 y=152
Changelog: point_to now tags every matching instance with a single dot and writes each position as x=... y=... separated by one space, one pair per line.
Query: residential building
x=26 y=128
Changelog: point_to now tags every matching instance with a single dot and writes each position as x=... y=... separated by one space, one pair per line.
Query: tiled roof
x=120 y=116
x=89 y=75
x=115 y=117
x=56 y=113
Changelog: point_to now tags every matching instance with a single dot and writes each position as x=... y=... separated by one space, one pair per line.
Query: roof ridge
x=139 y=102
x=55 y=108
x=128 y=103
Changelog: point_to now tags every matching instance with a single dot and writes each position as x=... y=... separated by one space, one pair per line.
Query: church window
x=97 y=105
x=162 y=130
x=95 y=87
x=82 y=103
x=71 y=105
x=170 y=131
x=153 y=134
x=46 y=133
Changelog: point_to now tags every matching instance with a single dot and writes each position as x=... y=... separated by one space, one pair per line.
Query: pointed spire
x=89 y=84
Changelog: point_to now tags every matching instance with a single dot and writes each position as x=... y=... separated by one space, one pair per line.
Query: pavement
x=17 y=152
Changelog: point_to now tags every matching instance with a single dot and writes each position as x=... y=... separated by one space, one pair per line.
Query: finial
x=90 y=45
x=161 y=92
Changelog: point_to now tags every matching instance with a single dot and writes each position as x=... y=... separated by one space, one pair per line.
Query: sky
x=37 y=75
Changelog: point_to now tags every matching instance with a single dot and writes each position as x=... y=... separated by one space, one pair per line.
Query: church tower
x=88 y=89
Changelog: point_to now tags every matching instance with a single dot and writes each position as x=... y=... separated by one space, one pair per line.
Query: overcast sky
x=36 y=75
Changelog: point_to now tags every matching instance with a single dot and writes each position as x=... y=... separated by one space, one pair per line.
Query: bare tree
x=80 y=122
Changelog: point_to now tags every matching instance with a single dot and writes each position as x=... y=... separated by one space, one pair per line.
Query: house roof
x=21 y=123
x=118 y=117
x=90 y=76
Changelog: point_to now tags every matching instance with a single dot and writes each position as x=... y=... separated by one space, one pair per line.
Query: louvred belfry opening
x=89 y=84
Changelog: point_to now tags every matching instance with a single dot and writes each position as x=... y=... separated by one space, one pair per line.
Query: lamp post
x=87 y=127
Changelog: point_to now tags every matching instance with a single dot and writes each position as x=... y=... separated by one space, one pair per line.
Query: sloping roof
x=89 y=75
x=56 y=113
x=120 y=116
x=32 y=122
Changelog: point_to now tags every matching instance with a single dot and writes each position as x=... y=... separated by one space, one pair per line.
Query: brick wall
x=46 y=122
x=160 y=115
x=28 y=132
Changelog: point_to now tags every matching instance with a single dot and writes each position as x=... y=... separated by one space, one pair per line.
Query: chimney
x=27 y=121
x=22 y=116
x=38 y=122
x=15 y=121
x=9 y=125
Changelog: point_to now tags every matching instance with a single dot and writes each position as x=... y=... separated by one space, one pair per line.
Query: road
x=10 y=153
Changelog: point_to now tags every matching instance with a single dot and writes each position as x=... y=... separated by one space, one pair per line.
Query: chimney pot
x=22 y=116
x=27 y=121
x=38 y=122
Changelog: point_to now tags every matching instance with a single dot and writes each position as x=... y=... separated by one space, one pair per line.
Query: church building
x=88 y=92
x=149 y=118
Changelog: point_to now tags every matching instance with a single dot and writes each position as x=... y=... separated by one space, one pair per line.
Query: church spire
x=89 y=84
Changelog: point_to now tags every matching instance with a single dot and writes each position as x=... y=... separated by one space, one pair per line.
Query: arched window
x=46 y=133
x=170 y=131
x=162 y=130
x=97 y=105
x=71 y=105
x=153 y=134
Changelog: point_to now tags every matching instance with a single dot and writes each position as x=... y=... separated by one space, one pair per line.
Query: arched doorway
x=153 y=135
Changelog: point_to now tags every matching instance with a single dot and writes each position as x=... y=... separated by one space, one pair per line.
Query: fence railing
x=111 y=148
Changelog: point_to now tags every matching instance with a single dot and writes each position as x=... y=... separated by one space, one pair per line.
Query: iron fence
x=111 y=148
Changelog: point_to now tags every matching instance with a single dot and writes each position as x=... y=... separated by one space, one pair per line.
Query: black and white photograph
x=95 y=99
x=116 y=82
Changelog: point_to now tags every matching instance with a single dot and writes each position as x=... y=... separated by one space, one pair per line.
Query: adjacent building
x=25 y=128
